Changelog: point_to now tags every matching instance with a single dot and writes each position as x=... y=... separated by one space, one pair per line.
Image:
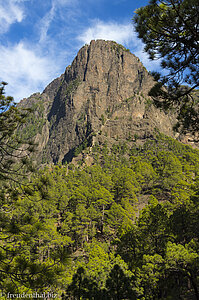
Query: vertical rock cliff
x=102 y=96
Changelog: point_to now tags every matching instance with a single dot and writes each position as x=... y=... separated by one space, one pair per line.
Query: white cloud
x=121 y=33
x=29 y=67
x=45 y=24
x=25 y=70
x=10 y=12
x=58 y=7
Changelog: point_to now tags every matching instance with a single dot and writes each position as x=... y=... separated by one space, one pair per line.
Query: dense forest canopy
x=79 y=231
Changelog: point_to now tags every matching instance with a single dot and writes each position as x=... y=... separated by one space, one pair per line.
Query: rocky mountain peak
x=101 y=58
x=101 y=97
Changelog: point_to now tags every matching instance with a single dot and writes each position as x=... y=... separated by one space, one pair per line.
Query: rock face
x=102 y=96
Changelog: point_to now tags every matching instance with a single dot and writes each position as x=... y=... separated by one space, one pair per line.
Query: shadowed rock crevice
x=86 y=66
x=58 y=109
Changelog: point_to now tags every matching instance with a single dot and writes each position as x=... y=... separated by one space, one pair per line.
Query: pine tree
x=169 y=30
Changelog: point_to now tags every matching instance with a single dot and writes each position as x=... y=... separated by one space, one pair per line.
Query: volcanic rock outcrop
x=102 y=96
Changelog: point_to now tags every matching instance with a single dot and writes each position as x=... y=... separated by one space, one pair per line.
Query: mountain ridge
x=102 y=96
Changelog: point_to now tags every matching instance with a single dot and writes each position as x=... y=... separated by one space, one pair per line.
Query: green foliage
x=28 y=259
x=169 y=30
x=35 y=121
x=148 y=103
x=76 y=230
x=13 y=151
x=102 y=119
x=80 y=148
x=165 y=259
x=82 y=287
x=72 y=87
x=119 y=48
x=118 y=285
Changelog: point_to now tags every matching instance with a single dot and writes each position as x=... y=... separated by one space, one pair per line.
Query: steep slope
x=102 y=96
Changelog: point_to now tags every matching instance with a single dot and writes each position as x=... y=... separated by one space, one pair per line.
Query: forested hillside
x=125 y=227
x=99 y=186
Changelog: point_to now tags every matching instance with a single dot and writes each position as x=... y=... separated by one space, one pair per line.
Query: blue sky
x=40 y=38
